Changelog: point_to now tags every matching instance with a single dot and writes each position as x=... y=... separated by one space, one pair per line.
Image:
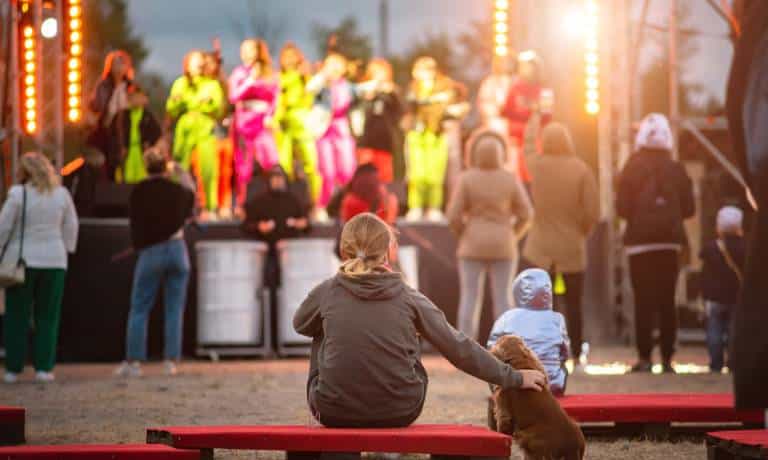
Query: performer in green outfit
x=196 y=101
x=293 y=138
x=143 y=131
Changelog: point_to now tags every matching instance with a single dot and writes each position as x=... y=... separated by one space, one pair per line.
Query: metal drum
x=408 y=259
x=304 y=263
x=230 y=307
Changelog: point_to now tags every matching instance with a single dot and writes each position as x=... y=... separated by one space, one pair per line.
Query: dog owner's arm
x=565 y=346
x=307 y=320
x=460 y=350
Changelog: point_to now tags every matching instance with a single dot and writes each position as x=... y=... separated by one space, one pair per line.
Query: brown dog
x=540 y=426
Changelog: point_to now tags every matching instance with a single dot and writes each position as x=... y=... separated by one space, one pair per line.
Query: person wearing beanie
x=533 y=320
x=654 y=196
x=721 y=279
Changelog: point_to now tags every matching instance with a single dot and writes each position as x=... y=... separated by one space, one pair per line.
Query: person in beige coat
x=565 y=194
x=489 y=212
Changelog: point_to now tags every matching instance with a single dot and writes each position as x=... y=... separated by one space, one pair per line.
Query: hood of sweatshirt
x=373 y=286
x=532 y=290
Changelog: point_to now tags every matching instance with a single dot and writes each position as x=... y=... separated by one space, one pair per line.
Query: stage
x=97 y=295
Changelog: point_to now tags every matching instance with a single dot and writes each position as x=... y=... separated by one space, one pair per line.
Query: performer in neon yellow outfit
x=196 y=101
x=293 y=138
x=431 y=96
x=142 y=132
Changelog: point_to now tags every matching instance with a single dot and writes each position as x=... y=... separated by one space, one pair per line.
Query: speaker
x=111 y=200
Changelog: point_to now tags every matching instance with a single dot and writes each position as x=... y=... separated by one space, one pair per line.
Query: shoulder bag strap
x=729 y=260
x=10 y=234
x=23 y=222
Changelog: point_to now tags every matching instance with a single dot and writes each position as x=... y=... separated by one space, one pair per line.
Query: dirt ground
x=88 y=405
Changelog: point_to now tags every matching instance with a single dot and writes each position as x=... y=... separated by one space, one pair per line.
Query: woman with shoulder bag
x=38 y=227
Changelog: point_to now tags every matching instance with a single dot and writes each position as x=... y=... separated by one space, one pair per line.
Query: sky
x=171 y=27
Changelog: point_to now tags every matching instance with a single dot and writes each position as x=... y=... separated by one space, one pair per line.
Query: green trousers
x=35 y=304
x=293 y=141
x=194 y=132
x=427 y=163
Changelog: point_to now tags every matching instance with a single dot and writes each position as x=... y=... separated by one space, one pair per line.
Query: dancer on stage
x=196 y=102
x=433 y=98
x=335 y=145
x=382 y=138
x=295 y=142
x=254 y=90
x=527 y=98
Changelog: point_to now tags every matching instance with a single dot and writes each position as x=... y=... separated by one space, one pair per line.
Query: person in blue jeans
x=721 y=278
x=159 y=209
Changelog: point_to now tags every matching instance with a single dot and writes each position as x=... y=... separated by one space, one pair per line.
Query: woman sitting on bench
x=366 y=323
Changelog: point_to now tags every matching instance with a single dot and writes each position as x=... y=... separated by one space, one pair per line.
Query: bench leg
x=322 y=456
x=12 y=434
x=654 y=431
x=464 y=457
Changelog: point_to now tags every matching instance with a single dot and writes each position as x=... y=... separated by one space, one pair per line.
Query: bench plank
x=742 y=444
x=450 y=440
x=98 y=452
x=656 y=408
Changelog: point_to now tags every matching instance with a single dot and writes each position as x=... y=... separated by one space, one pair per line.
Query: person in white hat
x=655 y=196
x=721 y=279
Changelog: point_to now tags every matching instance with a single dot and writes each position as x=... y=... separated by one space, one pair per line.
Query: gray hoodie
x=369 y=328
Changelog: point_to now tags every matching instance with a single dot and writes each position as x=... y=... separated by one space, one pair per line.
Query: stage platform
x=97 y=293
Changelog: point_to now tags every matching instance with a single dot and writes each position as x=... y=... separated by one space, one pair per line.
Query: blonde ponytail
x=365 y=243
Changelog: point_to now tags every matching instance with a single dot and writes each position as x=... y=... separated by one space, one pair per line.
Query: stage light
x=49 y=28
x=74 y=13
x=592 y=57
x=501 y=28
x=28 y=103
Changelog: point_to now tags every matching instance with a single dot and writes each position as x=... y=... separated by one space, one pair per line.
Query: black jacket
x=382 y=123
x=719 y=283
x=159 y=207
x=641 y=167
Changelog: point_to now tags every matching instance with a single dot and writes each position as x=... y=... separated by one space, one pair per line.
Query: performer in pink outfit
x=253 y=89
x=336 y=145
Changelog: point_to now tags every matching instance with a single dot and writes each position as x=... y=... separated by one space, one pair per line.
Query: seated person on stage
x=273 y=215
x=366 y=324
x=542 y=329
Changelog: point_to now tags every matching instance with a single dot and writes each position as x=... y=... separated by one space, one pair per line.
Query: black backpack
x=657 y=216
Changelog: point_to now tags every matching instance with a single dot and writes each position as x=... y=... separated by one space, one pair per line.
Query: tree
x=258 y=24
x=349 y=41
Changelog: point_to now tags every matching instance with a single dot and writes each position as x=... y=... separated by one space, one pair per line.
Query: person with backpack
x=655 y=196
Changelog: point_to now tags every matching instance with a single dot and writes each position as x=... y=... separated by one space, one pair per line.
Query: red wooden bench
x=11 y=425
x=654 y=414
x=737 y=445
x=304 y=442
x=98 y=452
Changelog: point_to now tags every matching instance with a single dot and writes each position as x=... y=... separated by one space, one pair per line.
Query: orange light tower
x=592 y=56
x=73 y=25
x=28 y=63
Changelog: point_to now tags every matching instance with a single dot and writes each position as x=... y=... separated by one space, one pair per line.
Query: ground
x=88 y=405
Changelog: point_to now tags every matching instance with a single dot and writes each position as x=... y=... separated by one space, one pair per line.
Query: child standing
x=721 y=277
x=542 y=329
x=366 y=323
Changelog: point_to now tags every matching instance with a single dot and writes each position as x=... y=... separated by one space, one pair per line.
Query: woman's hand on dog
x=533 y=380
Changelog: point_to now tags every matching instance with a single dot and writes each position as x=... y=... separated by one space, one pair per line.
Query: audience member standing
x=38 y=225
x=721 y=277
x=567 y=203
x=489 y=212
x=159 y=209
x=655 y=196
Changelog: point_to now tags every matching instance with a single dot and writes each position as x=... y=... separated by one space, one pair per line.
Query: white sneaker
x=11 y=377
x=414 y=215
x=126 y=369
x=44 y=377
x=169 y=368
x=435 y=215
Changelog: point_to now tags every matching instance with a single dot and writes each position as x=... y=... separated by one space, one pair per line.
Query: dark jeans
x=654 y=278
x=334 y=421
x=574 y=288
x=718 y=329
